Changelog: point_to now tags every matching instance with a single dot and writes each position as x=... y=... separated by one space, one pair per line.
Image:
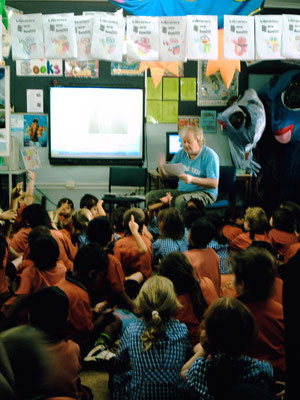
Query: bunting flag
x=226 y=67
x=158 y=68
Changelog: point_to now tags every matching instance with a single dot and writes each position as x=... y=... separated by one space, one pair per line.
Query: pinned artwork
x=202 y=32
x=172 y=43
x=142 y=38
x=238 y=37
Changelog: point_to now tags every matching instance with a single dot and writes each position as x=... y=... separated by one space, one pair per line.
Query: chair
x=226 y=188
x=135 y=177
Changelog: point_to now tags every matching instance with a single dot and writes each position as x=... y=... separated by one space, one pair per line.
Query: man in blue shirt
x=201 y=171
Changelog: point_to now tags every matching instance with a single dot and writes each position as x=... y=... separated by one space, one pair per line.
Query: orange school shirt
x=292 y=250
x=19 y=241
x=126 y=250
x=281 y=240
x=230 y=232
x=4 y=292
x=243 y=240
x=206 y=263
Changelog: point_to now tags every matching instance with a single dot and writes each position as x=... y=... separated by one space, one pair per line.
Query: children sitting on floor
x=93 y=204
x=61 y=218
x=204 y=260
x=282 y=234
x=257 y=227
x=233 y=222
x=221 y=365
x=134 y=250
x=193 y=294
x=173 y=235
x=48 y=312
x=153 y=349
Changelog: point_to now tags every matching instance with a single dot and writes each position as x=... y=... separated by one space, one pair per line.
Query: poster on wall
x=33 y=127
x=82 y=69
x=188 y=120
x=4 y=111
x=208 y=121
x=126 y=67
x=39 y=67
x=212 y=90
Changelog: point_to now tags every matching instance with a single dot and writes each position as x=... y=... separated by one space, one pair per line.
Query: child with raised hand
x=194 y=294
x=62 y=217
x=153 y=349
x=173 y=236
x=257 y=227
x=93 y=204
x=283 y=232
x=228 y=331
x=134 y=250
x=48 y=312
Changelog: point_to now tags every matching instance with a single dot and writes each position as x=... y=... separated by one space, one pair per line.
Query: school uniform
x=243 y=241
x=281 y=240
x=230 y=232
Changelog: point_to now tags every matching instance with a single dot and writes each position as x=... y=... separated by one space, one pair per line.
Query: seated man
x=201 y=171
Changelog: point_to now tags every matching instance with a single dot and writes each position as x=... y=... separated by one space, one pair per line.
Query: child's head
x=295 y=210
x=118 y=218
x=157 y=303
x=195 y=203
x=90 y=261
x=283 y=220
x=218 y=224
x=254 y=271
x=100 y=230
x=201 y=233
x=176 y=267
x=68 y=206
x=48 y=311
x=256 y=220
x=228 y=327
x=171 y=223
x=139 y=217
x=81 y=219
x=234 y=215
x=191 y=215
x=35 y=215
x=44 y=251
x=89 y=201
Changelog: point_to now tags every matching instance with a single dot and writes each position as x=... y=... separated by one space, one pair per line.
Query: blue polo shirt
x=205 y=165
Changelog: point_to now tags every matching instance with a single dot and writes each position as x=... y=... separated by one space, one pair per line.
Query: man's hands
x=167 y=198
x=186 y=178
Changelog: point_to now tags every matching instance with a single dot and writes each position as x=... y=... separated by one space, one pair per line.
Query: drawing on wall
x=212 y=90
x=125 y=68
x=82 y=69
x=31 y=158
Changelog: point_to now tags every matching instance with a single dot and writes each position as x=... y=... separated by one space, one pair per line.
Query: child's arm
x=187 y=366
x=30 y=188
x=134 y=229
x=100 y=210
x=15 y=194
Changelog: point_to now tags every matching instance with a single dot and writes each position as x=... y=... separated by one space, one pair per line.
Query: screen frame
x=99 y=161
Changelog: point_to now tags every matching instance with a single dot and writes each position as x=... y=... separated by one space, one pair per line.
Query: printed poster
x=268 y=30
x=291 y=35
x=202 y=37
x=108 y=37
x=31 y=158
x=238 y=37
x=142 y=38
x=172 y=44
x=188 y=121
x=82 y=69
x=33 y=126
x=1 y=37
x=126 y=67
x=84 y=31
x=4 y=104
x=208 y=121
x=27 y=36
x=59 y=35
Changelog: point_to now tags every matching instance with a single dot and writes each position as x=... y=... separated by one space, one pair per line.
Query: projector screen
x=96 y=125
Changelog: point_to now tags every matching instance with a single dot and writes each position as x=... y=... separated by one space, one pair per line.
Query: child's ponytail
x=157 y=302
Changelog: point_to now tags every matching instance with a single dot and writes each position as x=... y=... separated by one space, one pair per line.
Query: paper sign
x=59 y=35
x=171 y=89
x=188 y=89
x=108 y=36
x=35 y=100
x=31 y=158
x=142 y=38
x=268 y=29
x=291 y=35
x=172 y=45
x=84 y=31
x=202 y=37
x=170 y=112
x=238 y=37
x=208 y=121
x=173 y=169
x=27 y=36
x=154 y=111
x=39 y=67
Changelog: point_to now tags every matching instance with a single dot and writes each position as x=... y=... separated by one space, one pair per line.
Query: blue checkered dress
x=155 y=373
x=162 y=247
x=252 y=371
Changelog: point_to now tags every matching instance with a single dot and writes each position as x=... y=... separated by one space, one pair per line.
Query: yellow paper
x=188 y=89
x=170 y=112
x=170 y=89
x=152 y=92
x=154 y=111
